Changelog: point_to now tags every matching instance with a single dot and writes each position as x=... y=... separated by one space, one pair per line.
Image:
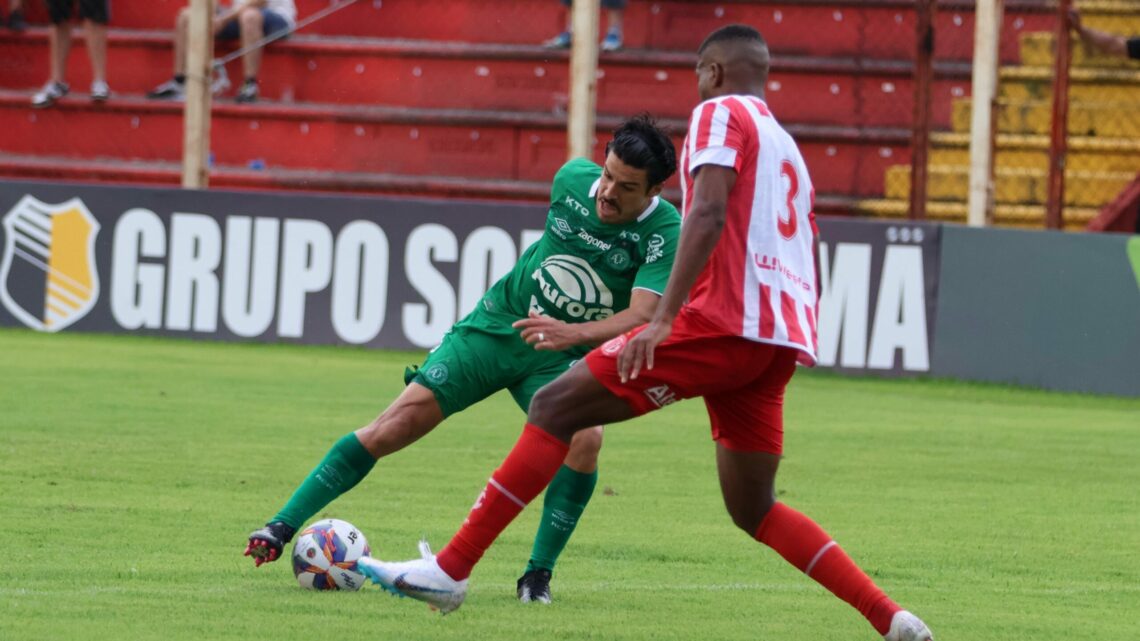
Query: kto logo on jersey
x=48 y=278
x=574 y=205
x=570 y=284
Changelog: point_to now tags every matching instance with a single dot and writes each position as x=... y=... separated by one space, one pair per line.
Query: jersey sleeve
x=574 y=172
x=660 y=249
x=716 y=136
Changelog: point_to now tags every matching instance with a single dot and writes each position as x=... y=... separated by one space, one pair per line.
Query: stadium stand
x=458 y=98
x=1104 y=133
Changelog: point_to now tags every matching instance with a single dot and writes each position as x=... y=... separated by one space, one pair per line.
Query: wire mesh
x=468 y=97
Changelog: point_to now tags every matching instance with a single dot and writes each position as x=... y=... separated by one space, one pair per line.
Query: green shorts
x=483 y=354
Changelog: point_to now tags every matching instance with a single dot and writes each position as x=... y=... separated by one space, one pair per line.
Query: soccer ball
x=325 y=555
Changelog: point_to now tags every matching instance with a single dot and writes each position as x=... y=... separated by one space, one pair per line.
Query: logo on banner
x=48 y=278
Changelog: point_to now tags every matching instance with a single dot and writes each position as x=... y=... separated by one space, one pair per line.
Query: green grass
x=132 y=469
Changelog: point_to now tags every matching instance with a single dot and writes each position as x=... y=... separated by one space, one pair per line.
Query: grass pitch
x=132 y=469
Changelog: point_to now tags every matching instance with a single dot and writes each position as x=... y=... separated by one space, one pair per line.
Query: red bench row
x=870 y=28
x=473 y=145
x=469 y=76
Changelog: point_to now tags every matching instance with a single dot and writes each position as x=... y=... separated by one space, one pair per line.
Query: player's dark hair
x=732 y=32
x=641 y=144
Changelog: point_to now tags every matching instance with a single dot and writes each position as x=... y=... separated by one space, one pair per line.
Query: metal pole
x=986 y=33
x=580 y=128
x=1058 y=149
x=196 y=113
x=920 y=135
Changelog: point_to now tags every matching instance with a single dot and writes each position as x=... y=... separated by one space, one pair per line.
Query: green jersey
x=583 y=269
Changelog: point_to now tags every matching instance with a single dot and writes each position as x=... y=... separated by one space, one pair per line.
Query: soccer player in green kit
x=598 y=270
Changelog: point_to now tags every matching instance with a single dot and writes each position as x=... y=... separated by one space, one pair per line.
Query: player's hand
x=546 y=333
x=638 y=352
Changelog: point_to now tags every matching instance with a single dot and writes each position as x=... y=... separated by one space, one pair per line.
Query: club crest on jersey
x=614 y=346
x=570 y=284
x=48 y=278
x=618 y=258
x=437 y=373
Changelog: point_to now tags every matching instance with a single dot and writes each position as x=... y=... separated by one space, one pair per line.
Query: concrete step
x=1116 y=120
x=1014 y=186
x=457 y=75
x=1038 y=49
x=1018 y=216
x=477 y=144
x=868 y=28
x=1086 y=84
x=278 y=179
x=1032 y=152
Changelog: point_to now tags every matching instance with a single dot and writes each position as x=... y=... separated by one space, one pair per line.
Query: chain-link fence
x=469 y=97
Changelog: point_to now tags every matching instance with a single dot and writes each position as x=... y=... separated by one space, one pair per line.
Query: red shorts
x=742 y=381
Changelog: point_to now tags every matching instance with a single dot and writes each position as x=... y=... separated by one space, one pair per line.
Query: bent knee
x=251 y=18
x=544 y=405
x=584 y=449
x=749 y=518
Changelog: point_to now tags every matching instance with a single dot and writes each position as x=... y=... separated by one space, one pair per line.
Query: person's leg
x=748 y=427
x=614 y=23
x=97 y=49
x=16 y=20
x=613 y=38
x=574 y=401
x=181 y=35
x=747 y=483
x=414 y=413
x=562 y=40
x=252 y=24
x=566 y=499
x=59 y=37
x=469 y=365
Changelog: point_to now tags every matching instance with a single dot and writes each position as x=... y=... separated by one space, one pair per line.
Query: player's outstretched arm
x=1107 y=43
x=700 y=232
x=546 y=333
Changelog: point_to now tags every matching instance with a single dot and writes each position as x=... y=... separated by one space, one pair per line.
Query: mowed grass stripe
x=132 y=469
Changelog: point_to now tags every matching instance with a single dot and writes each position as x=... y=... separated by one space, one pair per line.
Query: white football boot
x=420 y=579
x=907 y=627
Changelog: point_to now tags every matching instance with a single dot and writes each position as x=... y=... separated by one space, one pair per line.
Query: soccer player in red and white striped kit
x=738 y=313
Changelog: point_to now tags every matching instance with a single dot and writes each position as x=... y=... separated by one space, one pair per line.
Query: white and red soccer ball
x=325 y=555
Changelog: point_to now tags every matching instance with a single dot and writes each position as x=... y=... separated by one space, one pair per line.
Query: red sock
x=805 y=545
x=527 y=470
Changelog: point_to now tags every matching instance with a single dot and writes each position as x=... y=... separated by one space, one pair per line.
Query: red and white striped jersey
x=760 y=281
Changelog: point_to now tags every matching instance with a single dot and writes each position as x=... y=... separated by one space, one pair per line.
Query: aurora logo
x=570 y=284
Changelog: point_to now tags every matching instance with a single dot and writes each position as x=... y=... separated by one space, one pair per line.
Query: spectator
x=613 y=39
x=249 y=20
x=16 y=16
x=94 y=14
x=1107 y=43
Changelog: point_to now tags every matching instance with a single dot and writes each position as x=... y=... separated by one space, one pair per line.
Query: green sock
x=342 y=468
x=565 y=500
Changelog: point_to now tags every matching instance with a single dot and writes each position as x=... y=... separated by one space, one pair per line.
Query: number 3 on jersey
x=788 y=226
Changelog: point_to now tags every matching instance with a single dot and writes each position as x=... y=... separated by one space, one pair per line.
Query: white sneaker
x=420 y=579
x=48 y=96
x=100 y=92
x=907 y=627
